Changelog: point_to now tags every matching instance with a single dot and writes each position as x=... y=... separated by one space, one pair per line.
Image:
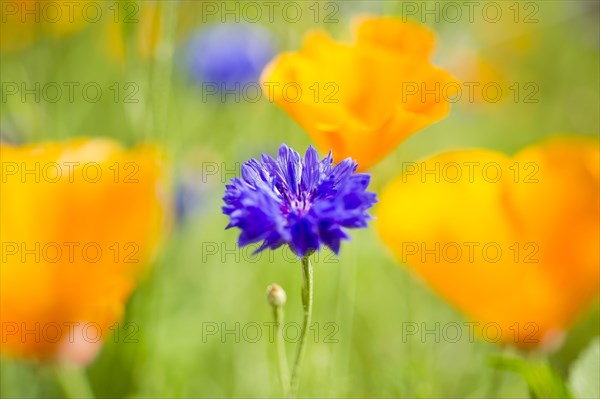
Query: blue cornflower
x=230 y=54
x=303 y=202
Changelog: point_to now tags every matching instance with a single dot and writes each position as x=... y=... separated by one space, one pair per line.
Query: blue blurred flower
x=189 y=196
x=303 y=202
x=230 y=54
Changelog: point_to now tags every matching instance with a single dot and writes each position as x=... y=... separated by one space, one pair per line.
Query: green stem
x=284 y=374
x=73 y=381
x=307 y=302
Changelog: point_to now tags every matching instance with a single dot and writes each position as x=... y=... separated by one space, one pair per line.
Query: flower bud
x=275 y=295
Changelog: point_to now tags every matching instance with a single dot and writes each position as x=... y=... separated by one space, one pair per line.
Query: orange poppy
x=79 y=222
x=512 y=242
x=362 y=99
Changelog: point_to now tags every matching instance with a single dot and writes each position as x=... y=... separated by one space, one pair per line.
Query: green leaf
x=583 y=379
x=541 y=380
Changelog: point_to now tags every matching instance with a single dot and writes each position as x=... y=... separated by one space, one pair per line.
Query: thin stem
x=284 y=374
x=73 y=381
x=307 y=302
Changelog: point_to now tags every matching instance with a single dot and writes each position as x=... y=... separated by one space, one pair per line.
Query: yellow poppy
x=79 y=223
x=512 y=242
x=362 y=99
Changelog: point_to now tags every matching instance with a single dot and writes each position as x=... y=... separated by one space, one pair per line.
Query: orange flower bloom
x=79 y=223
x=362 y=99
x=511 y=241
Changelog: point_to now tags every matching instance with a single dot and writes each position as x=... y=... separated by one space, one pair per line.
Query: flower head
x=229 y=55
x=367 y=96
x=303 y=202
x=516 y=249
x=276 y=295
x=90 y=215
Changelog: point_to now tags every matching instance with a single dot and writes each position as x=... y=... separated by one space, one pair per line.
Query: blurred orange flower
x=512 y=242
x=362 y=99
x=23 y=21
x=79 y=223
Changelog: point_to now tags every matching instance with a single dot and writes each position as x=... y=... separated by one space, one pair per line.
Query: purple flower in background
x=303 y=202
x=230 y=54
